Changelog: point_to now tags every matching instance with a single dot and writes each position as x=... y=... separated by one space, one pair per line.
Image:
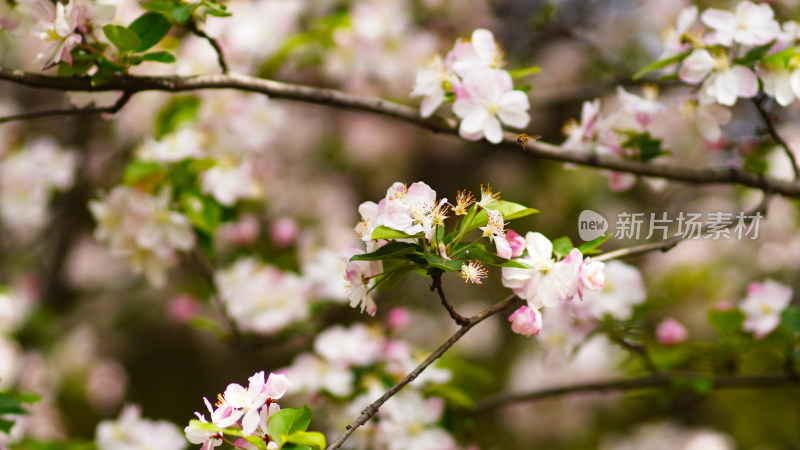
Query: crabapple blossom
x=484 y=100
x=408 y=421
x=749 y=24
x=310 y=373
x=644 y=108
x=246 y=402
x=549 y=282
x=671 y=332
x=198 y=435
x=622 y=289
x=763 y=306
x=722 y=81
x=707 y=118
x=673 y=39
x=359 y=280
x=480 y=52
x=355 y=346
x=781 y=83
x=494 y=229
x=516 y=242
x=526 y=321
x=431 y=84
x=592 y=276
x=588 y=133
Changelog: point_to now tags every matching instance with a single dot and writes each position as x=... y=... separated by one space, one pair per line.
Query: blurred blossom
x=10 y=362
x=668 y=436
x=311 y=373
x=133 y=432
x=763 y=306
x=671 y=332
x=623 y=289
x=262 y=298
x=28 y=178
x=143 y=229
x=354 y=346
x=408 y=421
x=242 y=232
x=398 y=319
x=400 y=361
x=183 y=307
x=105 y=385
x=324 y=274
x=360 y=279
x=749 y=24
x=185 y=143
x=284 y=231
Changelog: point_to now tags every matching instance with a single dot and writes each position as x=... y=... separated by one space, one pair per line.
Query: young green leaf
x=389 y=251
x=562 y=246
x=122 y=38
x=162 y=57
x=592 y=247
x=312 y=439
x=383 y=232
x=150 y=27
x=479 y=253
x=287 y=421
x=659 y=65
x=438 y=262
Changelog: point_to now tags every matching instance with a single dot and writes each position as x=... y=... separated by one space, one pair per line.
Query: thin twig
x=773 y=132
x=436 y=285
x=339 y=99
x=658 y=380
x=112 y=109
x=373 y=408
x=759 y=212
x=192 y=27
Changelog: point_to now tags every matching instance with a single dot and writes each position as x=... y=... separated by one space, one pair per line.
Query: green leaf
x=146 y=174
x=438 y=262
x=159 y=6
x=287 y=421
x=383 y=232
x=727 y=322
x=592 y=247
x=780 y=59
x=392 y=277
x=754 y=54
x=478 y=252
x=122 y=38
x=389 y=251
x=5 y=425
x=659 y=65
x=649 y=147
x=162 y=57
x=791 y=318
x=202 y=211
x=312 y=439
x=78 y=68
x=562 y=246
x=150 y=27
x=509 y=210
x=182 y=12
x=180 y=109
x=525 y=72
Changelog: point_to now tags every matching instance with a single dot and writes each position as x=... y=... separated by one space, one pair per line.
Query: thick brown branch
x=659 y=380
x=339 y=99
x=373 y=408
x=112 y=109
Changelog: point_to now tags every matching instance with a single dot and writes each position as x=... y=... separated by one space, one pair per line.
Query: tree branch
x=192 y=27
x=436 y=285
x=773 y=132
x=373 y=408
x=658 y=380
x=339 y=99
x=112 y=109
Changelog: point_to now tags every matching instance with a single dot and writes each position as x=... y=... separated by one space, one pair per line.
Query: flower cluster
x=484 y=94
x=27 y=180
x=411 y=221
x=347 y=364
x=262 y=298
x=132 y=431
x=142 y=228
x=247 y=408
x=548 y=282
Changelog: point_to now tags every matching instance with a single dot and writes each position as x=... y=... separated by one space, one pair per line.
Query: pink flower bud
x=516 y=241
x=592 y=276
x=671 y=332
x=182 y=308
x=398 y=319
x=284 y=231
x=526 y=321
